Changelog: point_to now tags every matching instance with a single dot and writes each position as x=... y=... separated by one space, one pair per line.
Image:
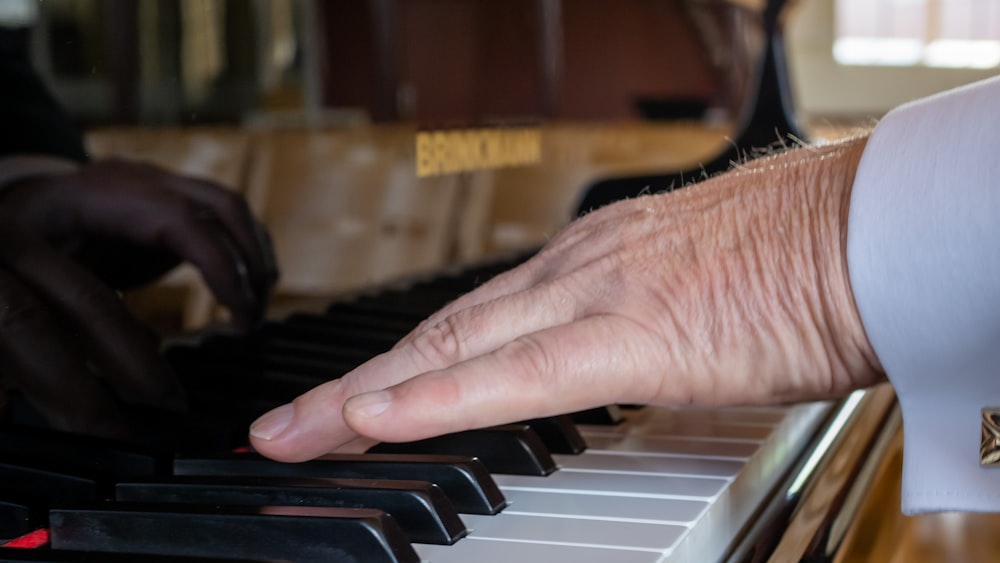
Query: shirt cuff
x=19 y=167
x=923 y=252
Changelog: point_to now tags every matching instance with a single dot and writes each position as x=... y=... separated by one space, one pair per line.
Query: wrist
x=851 y=351
x=794 y=216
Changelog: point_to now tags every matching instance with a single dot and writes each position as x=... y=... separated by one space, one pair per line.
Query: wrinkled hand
x=57 y=321
x=129 y=223
x=732 y=291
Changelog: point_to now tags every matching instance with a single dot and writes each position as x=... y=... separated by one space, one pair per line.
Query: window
x=937 y=33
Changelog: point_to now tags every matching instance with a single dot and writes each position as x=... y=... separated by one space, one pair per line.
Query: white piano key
x=605 y=507
x=592 y=460
x=685 y=429
x=621 y=484
x=733 y=415
x=576 y=531
x=613 y=504
x=720 y=449
x=702 y=424
x=481 y=550
x=662 y=417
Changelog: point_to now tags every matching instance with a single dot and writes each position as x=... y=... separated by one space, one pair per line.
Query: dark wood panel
x=447 y=63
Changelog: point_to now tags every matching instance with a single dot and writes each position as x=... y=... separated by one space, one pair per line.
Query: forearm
x=785 y=216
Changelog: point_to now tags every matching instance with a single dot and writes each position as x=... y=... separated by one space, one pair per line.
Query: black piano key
x=369 y=308
x=193 y=364
x=559 y=434
x=285 y=533
x=274 y=350
x=238 y=408
x=511 y=448
x=153 y=430
x=265 y=380
x=602 y=416
x=56 y=484
x=114 y=458
x=389 y=324
x=280 y=388
x=420 y=508
x=197 y=374
x=17 y=555
x=217 y=359
x=323 y=369
x=19 y=411
x=417 y=301
x=188 y=432
x=456 y=284
x=465 y=481
x=326 y=333
x=20 y=513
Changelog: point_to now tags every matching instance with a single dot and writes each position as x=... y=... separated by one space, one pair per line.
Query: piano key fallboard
x=628 y=484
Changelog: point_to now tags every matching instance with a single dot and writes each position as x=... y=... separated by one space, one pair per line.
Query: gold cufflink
x=989 y=445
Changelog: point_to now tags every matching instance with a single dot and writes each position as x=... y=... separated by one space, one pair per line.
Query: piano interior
x=401 y=152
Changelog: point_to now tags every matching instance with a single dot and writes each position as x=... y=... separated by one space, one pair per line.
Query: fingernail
x=369 y=404
x=273 y=423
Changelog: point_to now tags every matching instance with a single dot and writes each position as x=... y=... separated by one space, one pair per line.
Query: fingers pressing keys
x=205 y=506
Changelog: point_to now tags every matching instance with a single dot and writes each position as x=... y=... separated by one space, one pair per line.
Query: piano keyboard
x=660 y=485
x=666 y=485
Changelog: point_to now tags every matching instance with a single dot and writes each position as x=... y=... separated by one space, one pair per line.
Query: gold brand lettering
x=448 y=152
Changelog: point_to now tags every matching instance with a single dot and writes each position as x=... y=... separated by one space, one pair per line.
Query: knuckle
x=536 y=361
x=442 y=343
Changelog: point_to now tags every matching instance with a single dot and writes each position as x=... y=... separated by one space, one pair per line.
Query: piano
x=631 y=484
x=623 y=483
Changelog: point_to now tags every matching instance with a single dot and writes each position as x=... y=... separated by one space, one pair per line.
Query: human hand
x=732 y=291
x=129 y=223
x=57 y=322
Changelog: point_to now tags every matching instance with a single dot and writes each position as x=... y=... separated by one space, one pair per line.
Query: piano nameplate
x=465 y=150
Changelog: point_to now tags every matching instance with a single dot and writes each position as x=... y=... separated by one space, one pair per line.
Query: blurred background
x=311 y=107
x=450 y=62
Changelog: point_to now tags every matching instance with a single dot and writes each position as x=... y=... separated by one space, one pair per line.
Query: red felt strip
x=31 y=540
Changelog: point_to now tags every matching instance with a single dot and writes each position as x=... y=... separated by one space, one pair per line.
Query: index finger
x=566 y=368
x=312 y=424
x=562 y=369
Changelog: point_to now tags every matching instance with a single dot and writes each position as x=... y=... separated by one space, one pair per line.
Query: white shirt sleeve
x=923 y=252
